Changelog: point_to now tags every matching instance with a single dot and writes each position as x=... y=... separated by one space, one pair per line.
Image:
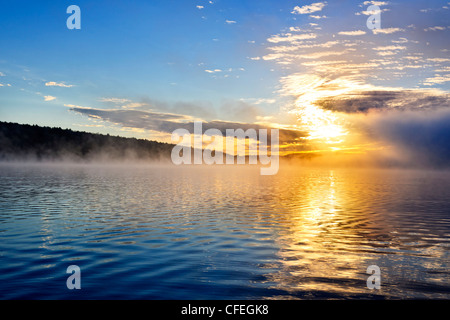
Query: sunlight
x=321 y=124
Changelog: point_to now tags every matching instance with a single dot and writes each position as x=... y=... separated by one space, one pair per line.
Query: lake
x=167 y=232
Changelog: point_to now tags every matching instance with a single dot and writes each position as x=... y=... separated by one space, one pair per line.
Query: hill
x=35 y=143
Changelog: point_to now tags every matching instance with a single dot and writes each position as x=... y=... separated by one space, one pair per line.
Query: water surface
x=166 y=232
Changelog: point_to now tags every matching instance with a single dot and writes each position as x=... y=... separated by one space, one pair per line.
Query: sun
x=322 y=125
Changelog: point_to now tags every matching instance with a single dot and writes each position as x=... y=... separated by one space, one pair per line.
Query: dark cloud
x=167 y=123
x=358 y=101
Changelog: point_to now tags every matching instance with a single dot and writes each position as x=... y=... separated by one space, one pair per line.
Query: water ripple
x=208 y=233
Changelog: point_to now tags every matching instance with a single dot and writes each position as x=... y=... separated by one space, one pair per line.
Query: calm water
x=228 y=233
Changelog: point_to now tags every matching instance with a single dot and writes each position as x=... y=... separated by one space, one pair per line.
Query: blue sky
x=130 y=50
x=311 y=66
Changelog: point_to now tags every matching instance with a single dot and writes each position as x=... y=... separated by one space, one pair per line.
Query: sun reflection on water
x=318 y=253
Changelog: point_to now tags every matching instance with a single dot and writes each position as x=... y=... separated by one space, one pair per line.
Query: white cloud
x=58 y=84
x=386 y=53
x=386 y=30
x=132 y=105
x=320 y=54
x=371 y=12
x=400 y=40
x=317 y=17
x=385 y=48
x=322 y=62
x=294 y=29
x=274 y=56
x=314 y=7
x=75 y=106
x=437 y=80
x=2 y=74
x=443 y=69
x=49 y=98
x=376 y=3
x=352 y=33
x=289 y=37
x=290 y=48
x=258 y=100
x=200 y=7
x=114 y=100
x=438 y=59
x=412 y=58
x=435 y=28
x=230 y=21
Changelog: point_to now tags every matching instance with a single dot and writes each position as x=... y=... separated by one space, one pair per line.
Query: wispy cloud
x=371 y=12
x=438 y=59
x=437 y=28
x=49 y=98
x=438 y=79
x=317 y=17
x=376 y=3
x=75 y=106
x=352 y=33
x=387 y=30
x=114 y=100
x=58 y=84
x=387 y=53
x=321 y=54
x=257 y=101
x=388 y=50
x=314 y=7
x=289 y=37
x=335 y=76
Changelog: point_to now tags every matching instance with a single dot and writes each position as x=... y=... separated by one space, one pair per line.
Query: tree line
x=36 y=143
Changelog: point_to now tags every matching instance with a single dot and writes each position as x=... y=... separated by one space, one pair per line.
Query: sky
x=313 y=69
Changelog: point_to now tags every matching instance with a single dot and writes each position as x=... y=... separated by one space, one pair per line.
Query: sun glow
x=323 y=126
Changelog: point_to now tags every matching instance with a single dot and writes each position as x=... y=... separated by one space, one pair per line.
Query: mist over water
x=222 y=232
